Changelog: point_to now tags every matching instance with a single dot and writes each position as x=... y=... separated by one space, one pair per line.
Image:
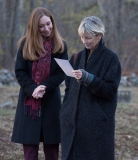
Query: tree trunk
x=15 y=33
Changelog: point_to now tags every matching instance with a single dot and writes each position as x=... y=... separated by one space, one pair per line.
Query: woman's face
x=90 y=41
x=45 y=26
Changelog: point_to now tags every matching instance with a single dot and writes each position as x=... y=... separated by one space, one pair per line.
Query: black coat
x=26 y=130
x=88 y=112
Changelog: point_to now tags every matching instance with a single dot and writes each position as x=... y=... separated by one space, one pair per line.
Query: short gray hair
x=91 y=25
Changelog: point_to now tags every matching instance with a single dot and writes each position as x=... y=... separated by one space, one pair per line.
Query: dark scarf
x=40 y=73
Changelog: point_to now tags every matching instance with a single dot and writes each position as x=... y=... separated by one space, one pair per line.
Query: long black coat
x=26 y=130
x=88 y=113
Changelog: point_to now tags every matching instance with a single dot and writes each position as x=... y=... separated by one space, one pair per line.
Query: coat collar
x=84 y=64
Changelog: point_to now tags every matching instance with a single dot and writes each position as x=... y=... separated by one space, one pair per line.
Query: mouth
x=45 y=33
x=87 y=46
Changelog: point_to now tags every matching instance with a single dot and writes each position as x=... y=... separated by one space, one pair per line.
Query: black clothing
x=88 y=113
x=26 y=130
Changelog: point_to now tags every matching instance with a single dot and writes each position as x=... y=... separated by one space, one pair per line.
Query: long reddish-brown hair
x=33 y=41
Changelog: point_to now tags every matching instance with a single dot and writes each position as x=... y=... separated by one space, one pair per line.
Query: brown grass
x=126 y=139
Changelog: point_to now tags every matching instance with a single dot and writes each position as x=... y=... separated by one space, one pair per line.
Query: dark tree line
x=120 y=18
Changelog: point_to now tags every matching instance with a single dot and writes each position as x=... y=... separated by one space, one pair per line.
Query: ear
x=100 y=35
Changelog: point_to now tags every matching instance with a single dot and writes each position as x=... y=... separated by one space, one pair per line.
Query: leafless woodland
x=120 y=18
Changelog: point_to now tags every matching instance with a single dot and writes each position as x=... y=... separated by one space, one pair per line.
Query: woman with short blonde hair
x=88 y=112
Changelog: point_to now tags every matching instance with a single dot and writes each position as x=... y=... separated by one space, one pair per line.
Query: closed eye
x=41 y=26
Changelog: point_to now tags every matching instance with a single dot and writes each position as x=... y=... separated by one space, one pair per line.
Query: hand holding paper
x=65 y=66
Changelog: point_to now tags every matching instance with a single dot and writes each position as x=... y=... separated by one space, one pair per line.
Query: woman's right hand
x=39 y=92
x=77 y=74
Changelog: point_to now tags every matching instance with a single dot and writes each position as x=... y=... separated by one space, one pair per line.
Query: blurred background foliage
x=120 y=18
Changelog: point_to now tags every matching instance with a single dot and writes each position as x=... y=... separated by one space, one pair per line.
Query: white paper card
x=65 y=66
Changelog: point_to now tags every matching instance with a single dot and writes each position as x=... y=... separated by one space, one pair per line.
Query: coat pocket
x=100 y=114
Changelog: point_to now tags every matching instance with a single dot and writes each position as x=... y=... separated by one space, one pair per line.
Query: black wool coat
x=26 y=130
x=87 y=116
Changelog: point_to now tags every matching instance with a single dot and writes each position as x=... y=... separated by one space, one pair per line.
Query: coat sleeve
x=107 y=87
x=56 y=79
x=22 y=74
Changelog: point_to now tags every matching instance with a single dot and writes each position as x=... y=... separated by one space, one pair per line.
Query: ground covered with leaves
x=126 y=139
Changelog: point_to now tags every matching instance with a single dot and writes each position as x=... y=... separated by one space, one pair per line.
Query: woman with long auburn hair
x=39 y=77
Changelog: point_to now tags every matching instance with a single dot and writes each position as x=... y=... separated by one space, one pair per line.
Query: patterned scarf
x=40 y=73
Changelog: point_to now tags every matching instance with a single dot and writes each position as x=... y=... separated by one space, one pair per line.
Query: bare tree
x=120 y=18
x=10 y=30
x=117 y=17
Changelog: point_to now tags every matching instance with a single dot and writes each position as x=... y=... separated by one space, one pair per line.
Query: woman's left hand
x=39 y=92
x=77 y=74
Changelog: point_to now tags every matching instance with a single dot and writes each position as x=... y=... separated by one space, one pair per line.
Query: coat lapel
x=94 y=58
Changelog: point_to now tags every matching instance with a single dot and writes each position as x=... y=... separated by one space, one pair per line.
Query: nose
x=84 y=41
x=45 y=28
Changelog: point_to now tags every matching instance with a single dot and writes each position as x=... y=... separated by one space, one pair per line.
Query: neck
x=94 y=48
x=45 y=39
x=91 y=50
